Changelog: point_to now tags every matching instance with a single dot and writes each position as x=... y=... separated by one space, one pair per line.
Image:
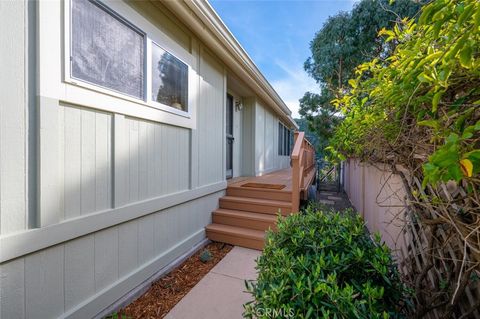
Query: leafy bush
x=325 y=265
x=419 y=107
x=417 y=112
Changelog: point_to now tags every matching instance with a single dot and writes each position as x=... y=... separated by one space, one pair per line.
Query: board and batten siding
x=13 y=117
x=85 y=166
x=266 y=142
x=81 y=277
x=118 y=197
x=209 y=137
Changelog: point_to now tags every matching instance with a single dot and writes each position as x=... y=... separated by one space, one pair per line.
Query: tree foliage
x=423 y=99
x=418 y=109
x=345 y=41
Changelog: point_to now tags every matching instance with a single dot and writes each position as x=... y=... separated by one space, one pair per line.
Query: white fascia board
x=202 y=19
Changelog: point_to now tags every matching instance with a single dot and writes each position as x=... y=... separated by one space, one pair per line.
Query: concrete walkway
x=332 y=199
x=221 y=293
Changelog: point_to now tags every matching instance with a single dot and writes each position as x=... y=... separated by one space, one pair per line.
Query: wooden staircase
x=246 y=213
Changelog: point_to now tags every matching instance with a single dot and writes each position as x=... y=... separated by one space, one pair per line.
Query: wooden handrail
x=303 y=168
x=297 y=146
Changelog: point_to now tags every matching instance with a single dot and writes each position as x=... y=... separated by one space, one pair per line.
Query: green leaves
x=346 y=40
x=423 y=99
x=466 y=57
x=324 y=265
x=435 y=100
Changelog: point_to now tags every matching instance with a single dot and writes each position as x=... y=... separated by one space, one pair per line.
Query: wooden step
x=257 y=205
x=261 y=193
x=238 y=236
x=244 y=219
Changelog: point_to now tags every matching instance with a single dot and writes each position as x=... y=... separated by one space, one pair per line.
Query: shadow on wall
x=379 y=196
x=108 y=161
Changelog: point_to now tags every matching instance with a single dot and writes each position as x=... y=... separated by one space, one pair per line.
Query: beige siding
x=93 y=164
x=210 y=125
x=156 y=159
x=261 y=166
x=12 y=292
x=115 y=198
x=164 y=20
x=44 y=283
x=266 y=142
x=12 y=117
x=85 y=139
x=248 y=138
x=70 y=276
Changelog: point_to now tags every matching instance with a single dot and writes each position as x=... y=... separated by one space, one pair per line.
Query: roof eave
x=199 y=15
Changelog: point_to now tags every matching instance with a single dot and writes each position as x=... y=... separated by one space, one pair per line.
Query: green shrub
x=325 y=265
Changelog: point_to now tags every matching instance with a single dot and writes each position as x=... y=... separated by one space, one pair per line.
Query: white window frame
x=148 y=86
x=77 y=89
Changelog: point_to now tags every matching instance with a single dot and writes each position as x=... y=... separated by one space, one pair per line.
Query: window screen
x=106 y=50
x=169 y=79
x=285 y=140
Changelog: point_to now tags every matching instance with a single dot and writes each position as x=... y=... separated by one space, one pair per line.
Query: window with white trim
x=109 y=52
x=106 y=50
x=169 y=79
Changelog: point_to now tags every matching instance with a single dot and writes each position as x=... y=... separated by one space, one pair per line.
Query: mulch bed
x=165 y=293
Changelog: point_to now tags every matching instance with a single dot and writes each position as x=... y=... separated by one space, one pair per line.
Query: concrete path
x=220 y=294
x=332 y=199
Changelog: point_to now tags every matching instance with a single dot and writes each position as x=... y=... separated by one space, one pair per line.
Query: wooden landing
x=283 y=176
x=245 y=213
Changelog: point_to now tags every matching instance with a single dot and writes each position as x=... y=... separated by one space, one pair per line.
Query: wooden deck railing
x=303 y=168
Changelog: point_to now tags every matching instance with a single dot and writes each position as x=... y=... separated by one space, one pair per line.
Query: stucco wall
x=378 y=195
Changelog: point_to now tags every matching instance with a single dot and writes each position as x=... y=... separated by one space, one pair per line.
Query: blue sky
x=276 y=34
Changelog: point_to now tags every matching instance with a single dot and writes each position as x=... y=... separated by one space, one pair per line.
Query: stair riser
x=236 y=240
x=243 y=222
x=262 y=194
x=252 y=207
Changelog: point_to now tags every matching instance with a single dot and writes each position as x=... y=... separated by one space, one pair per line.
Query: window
x=106 y=50
x=169 y=79
x=284 y=140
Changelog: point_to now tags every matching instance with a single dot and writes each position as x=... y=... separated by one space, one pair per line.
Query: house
x=120 y=125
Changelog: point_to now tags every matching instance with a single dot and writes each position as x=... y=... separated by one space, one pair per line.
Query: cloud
x=293 y=85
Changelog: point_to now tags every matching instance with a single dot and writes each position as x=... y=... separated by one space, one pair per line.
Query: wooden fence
x=432 y=260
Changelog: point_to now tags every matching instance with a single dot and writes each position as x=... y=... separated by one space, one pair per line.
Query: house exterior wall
x=248 y=138
x=98 y=192
x=112 y=197
x=13 y=118
x=266 y=141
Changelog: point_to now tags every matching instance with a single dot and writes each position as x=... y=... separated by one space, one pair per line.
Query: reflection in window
x=106 y=50
x=169 y=79
x=285 y=140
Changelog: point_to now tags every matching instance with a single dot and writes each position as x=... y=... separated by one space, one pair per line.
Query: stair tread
x=258 y=201
x=245 y=214
x=268 y=190
x=238 y=231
